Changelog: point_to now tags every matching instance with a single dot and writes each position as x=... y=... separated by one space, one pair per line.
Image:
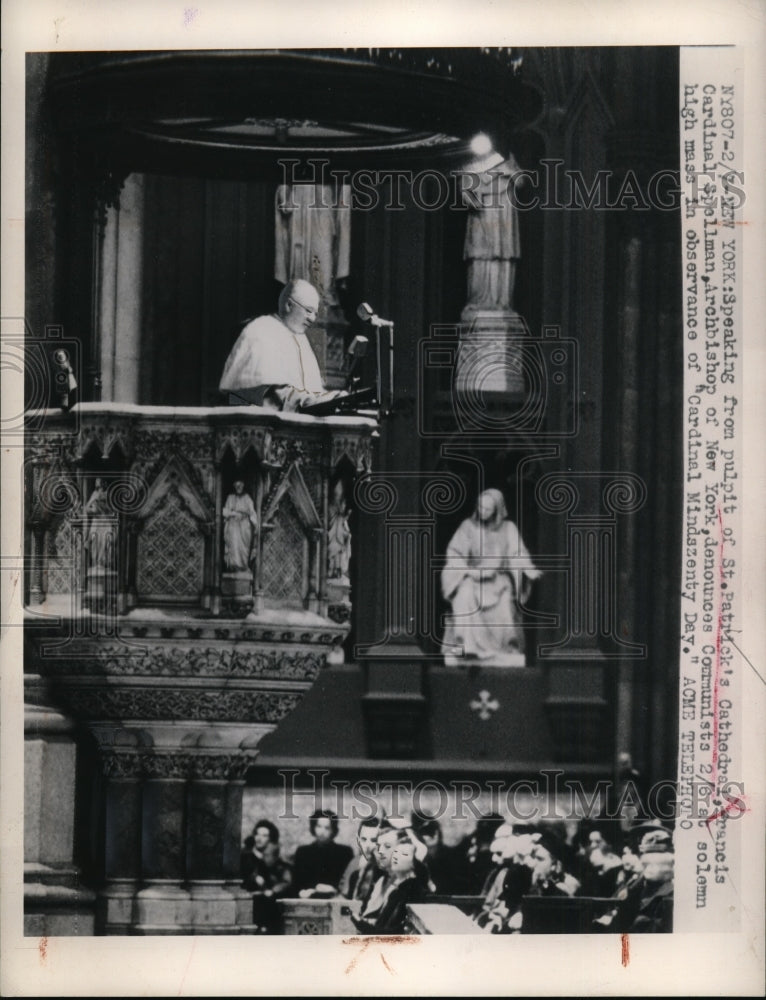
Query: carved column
x=213 y=907
x=394 y=703
x=123 y=806
x=120 y=294
x=590 y=614
x=163 y=905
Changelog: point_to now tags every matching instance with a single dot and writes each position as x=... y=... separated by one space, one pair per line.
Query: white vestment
x=268 y=353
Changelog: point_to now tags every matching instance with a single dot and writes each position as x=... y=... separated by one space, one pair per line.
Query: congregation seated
x=535 y=881
x=643 y=902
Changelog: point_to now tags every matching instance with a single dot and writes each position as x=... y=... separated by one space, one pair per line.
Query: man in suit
x=361 y=872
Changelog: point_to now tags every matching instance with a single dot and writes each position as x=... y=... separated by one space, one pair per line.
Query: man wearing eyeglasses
x=272 y=362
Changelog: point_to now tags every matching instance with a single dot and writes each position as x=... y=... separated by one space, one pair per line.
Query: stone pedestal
x=54 y=900
x=238 y=585
x=490 y=360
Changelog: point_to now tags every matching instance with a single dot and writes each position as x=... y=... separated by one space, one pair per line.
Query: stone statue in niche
x=240 y=525
x=100 y=531
x=313 y=236
x=487 y=576
x=338 y=561
x=492 y=246
x=338 y=537
x=101 y=546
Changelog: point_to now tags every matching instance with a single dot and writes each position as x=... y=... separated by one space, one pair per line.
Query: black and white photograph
x=379 y=551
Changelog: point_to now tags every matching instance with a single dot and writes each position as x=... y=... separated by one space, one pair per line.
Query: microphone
x=357 y=350
x=366 y=314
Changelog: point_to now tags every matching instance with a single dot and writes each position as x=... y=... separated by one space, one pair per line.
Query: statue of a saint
x=101 y=529
x=313 y=236
x=240 y=522
x=487 y=576
x=492 y=246
x=338 y=537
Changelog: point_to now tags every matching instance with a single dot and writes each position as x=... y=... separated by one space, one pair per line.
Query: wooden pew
x=438 y=918
x=562 y=914
x=466 y=904
x=318 y=916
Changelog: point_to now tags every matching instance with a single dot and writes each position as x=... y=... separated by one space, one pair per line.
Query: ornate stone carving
x=171 y=552
x=356 y=448
x=105 y=432
x=178 y=765
x=239 y=439
x=194 y=661
x=190 y=704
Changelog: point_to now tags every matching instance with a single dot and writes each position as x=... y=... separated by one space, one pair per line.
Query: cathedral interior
x=172 y=697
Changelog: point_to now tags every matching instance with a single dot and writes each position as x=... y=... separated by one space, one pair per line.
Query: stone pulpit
x=162 y=677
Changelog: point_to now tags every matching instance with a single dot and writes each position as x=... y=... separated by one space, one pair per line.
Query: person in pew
x=376 y=895
x=319 y=866
x=654 y=914
x=252 y=865
x=475 y=855
x=272 y=362
x=273 y=884
x=362 y=871
x=606 y=872
x=443 y=862
x=547 y=862
x=645 y=838
x=408 y=883
x=500 y=912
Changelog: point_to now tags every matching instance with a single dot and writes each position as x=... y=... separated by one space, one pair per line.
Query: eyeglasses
x=309 y=310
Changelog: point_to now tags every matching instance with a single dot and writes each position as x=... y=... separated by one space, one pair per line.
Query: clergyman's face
x=302 y=309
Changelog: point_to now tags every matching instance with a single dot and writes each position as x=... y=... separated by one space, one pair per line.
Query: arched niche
x=514 y=467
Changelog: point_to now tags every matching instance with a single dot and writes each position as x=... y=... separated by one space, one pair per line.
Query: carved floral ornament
x=190 y=661
x=180 y=765
x=188 y=704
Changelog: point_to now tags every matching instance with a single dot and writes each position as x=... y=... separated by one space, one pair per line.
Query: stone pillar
x=163 y=906
x=120 y=294
x=589 y=616
x=213 y=908
x=243 y=900
x=123 y=795
x=490 y=367
x=54 y=902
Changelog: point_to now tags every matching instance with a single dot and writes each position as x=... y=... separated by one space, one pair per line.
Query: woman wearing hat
x=549 y=877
